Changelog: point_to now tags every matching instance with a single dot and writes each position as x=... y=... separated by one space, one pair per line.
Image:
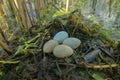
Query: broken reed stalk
x=5 y=47
x=101 y=66
x=90 y=66
x=3 y=34
x=67 y=5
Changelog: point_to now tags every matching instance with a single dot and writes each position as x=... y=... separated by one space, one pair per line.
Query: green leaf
x=97 y=77
x=59 y=13
x=33 y=45
x=9 y=62
x=1 y=73
x=20 y=48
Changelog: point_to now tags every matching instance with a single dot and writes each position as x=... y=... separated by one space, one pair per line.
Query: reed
x=3 y=13
x=5 y=47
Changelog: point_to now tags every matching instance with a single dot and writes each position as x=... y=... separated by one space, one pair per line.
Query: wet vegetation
x=25 y=26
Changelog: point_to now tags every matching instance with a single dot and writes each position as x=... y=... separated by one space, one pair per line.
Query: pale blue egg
x=60 y=36
x=72 y=42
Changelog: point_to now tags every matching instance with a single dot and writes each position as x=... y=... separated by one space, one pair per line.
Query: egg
x=60 y=36
x=72 y=42
x=49 y=46
x=62 y=51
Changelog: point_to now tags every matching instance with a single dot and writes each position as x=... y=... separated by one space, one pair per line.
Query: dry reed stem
x=92 y=66
x=3 y=34
x=19 y=18
x=21 y=12
x=27 y=18
x=32 y=12
x=4 y=14
x=5 y=47
x=38 y=8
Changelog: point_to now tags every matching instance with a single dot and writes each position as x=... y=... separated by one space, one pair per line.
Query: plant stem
x=5 y=47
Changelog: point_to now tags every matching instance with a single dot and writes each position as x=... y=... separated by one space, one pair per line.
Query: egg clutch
x=61 y=45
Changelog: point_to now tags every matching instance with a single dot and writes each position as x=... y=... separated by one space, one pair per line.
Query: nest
x=29 y=61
